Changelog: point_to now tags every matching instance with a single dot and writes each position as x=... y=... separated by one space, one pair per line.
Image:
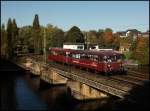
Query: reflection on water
x=25 y=97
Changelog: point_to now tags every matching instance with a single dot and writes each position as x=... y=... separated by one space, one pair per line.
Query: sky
x=87 y=15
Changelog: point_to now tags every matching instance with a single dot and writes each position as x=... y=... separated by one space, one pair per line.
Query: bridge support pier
x=82 y=91
x=51 y=76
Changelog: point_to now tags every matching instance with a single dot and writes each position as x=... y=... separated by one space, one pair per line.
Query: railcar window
x=100 y=58
x=90 y=57
x=119 y=58
x=86 y=56
x=67 y=54
x=82 y=56
x=78 y=56
x=54 y=53
x=95 y=58
x=73 y=56
x=80 y=47
x=105 y=58
x=112 y=59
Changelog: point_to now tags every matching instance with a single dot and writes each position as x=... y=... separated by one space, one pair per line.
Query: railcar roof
x=101 y=53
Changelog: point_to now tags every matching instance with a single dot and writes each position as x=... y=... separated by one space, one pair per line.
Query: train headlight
x=108 y=65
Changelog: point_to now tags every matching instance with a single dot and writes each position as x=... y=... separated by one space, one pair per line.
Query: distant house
x=75 y=46
x=127 y=33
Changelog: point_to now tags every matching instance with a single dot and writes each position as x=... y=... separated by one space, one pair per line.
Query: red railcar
x=100 y=61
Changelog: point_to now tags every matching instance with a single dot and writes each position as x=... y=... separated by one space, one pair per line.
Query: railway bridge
x=87 y=84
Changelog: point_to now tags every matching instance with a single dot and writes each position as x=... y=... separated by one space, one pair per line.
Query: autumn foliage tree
x=140 y=50
x=108 y=36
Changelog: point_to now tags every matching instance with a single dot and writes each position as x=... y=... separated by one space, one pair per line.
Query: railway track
x=144 y=70
x=139 y=75
x=129 y=79
x=138 y=78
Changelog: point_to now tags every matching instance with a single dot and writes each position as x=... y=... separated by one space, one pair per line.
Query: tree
x=58 y=38
x=4 y=44
x=92 y=37
x=108 y=30
x=100 y=38
x=36 y=35
x=25 y=37
x=108 y=36
x=116 y=42
x=54 y=36
x=140 y=50
x=14 y=34
x=9 y=35
x=74 y=35
x=36 y=24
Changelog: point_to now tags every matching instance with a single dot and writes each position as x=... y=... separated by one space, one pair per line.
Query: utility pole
x=44 y=48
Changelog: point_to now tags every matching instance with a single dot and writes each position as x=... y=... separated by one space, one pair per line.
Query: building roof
x=134 y=31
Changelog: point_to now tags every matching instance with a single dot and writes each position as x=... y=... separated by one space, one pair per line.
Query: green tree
x=74 y=35
x=92 y=37
x=58 y=38
x=25 y=37
x=4 y=44
x=108 y=30
x=54 y=36
x=50 y=30
x=14 y=34
x=9 y=35
x=36 y=35
x=101 y=38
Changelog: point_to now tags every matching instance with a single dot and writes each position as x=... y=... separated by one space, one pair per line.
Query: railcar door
x=68 y=57
x=100 y=63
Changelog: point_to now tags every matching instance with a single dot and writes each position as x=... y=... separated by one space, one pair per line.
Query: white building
x=75 y=46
